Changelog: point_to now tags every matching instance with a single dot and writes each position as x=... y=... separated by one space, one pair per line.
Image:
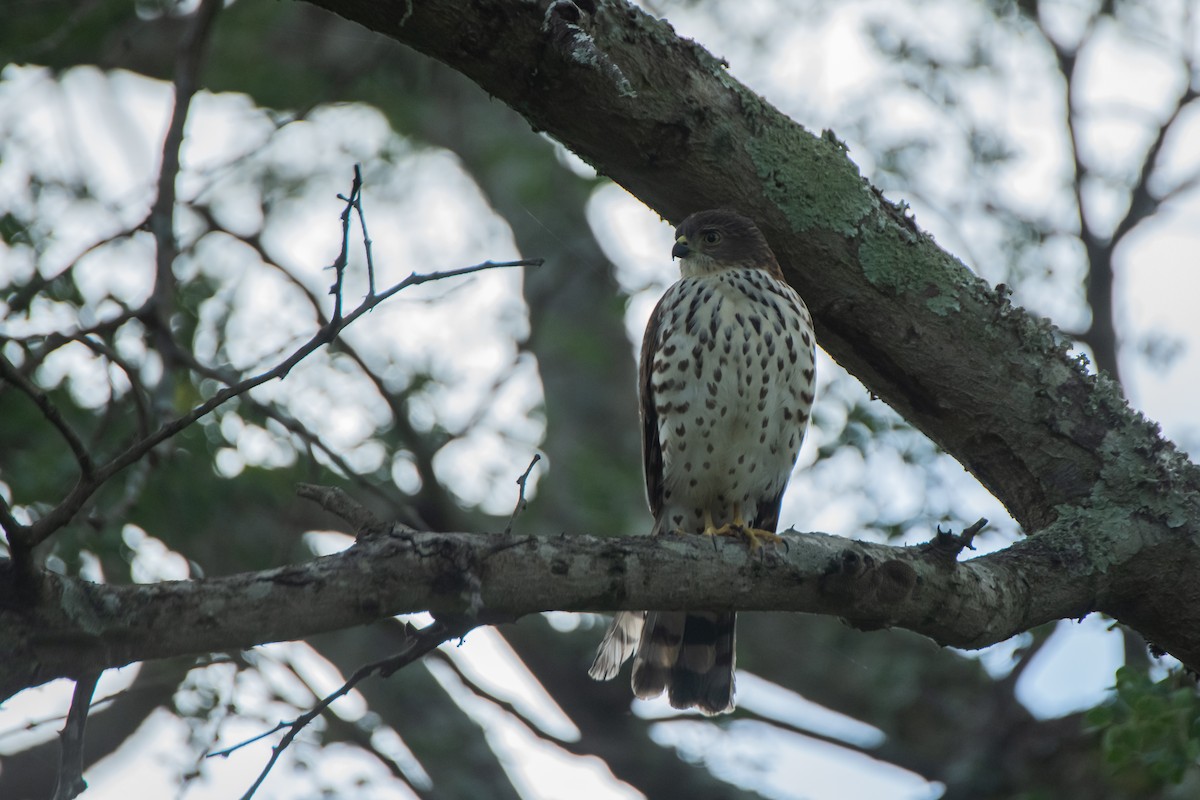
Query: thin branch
x=362 y=221
x=341 y=505
x=65 y=510
x=503 y=705
x=343 y=258
x=416 y=280
x=291 y=424
x=10 y=373
x=356 y=732
x=521 y=503
x=420 y=642
x=1142 y=202
x=433 y=494
x=19 y=302
x=56 y=340
x=743 y=713
x=70 y=766
x=162 y=213
x=136 y=388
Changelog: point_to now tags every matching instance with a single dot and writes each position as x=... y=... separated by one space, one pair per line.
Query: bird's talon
x=757 y=538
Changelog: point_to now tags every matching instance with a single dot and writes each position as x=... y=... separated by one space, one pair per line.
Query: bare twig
x=416 y=280
x=8 y=523
x=10 y=373
x=362 y=222
x=291 y=424
x=54 y=341
x=433 y=494
x=341 y=505
x=420 y=642
x=779 y=724
x=162 y=213
x=360 y=733
x=484 y=694
x=1142 y=201
x=136 y=388
x=343 y=257
x=521 y=502
x=20 y=300
x=64 y=511
x=70 y=766
x=947 y=545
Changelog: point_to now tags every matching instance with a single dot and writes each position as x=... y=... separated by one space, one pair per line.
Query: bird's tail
x=618 y=644
x=690 y=655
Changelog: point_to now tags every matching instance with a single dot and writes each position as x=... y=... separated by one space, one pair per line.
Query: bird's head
x=710 y=241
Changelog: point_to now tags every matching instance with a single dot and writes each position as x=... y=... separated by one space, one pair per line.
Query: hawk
x=726 y=386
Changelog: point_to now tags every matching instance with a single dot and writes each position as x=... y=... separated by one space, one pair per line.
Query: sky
x=820 y=74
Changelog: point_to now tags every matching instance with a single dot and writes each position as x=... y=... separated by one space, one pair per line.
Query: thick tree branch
x=83 y=626
x=939 y=340
x=990 y=384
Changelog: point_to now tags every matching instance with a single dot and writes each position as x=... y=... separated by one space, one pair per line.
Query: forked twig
x=521 y=502
x=420 y=642
x=27 y=537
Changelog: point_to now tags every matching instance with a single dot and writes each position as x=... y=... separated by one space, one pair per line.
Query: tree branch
x=1058 y=447
x=12 y=375
x=70 y=769
x=494 y=577
x=420 y=643
x=24 y=538
x=939 y=339
x=162 y=215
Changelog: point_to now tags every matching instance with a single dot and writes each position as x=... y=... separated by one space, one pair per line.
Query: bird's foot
x=756 y=538
x=759 y=538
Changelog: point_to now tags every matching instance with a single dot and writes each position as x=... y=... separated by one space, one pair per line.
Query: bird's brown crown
x=721 y=238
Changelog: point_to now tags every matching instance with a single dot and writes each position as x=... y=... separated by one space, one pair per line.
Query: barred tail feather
x=657 y=652
x=690 y=656
x=703 y=676
x=618 y=645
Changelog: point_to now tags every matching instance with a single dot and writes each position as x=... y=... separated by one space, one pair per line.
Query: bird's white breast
x=732 y=385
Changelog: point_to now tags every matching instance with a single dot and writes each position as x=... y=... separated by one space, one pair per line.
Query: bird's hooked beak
x=681 y=249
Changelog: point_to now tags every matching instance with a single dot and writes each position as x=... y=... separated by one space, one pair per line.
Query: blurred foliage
x=1150 y=729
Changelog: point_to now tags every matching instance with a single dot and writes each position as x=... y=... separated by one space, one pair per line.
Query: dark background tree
x=943 y=716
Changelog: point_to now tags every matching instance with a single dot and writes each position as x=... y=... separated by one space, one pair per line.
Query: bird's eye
x=710 y=237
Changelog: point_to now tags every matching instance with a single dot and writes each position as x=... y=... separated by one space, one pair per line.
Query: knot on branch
x=567 y=37
x=870 y=590
x=946 y=545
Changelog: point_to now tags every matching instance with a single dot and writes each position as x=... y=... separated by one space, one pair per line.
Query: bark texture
x=79 y=626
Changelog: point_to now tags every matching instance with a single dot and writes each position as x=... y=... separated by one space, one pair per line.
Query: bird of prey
x=726 y=386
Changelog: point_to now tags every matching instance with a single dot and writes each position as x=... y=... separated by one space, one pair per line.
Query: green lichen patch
x=809 y=179
x=905 y=263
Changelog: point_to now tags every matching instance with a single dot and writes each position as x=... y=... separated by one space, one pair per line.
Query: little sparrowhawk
x=726 y=386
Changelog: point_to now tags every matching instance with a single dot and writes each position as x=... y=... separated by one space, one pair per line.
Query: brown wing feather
x=652 y=461
x=767 y=518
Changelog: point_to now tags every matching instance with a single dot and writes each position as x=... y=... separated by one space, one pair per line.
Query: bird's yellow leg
x=755 y=537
